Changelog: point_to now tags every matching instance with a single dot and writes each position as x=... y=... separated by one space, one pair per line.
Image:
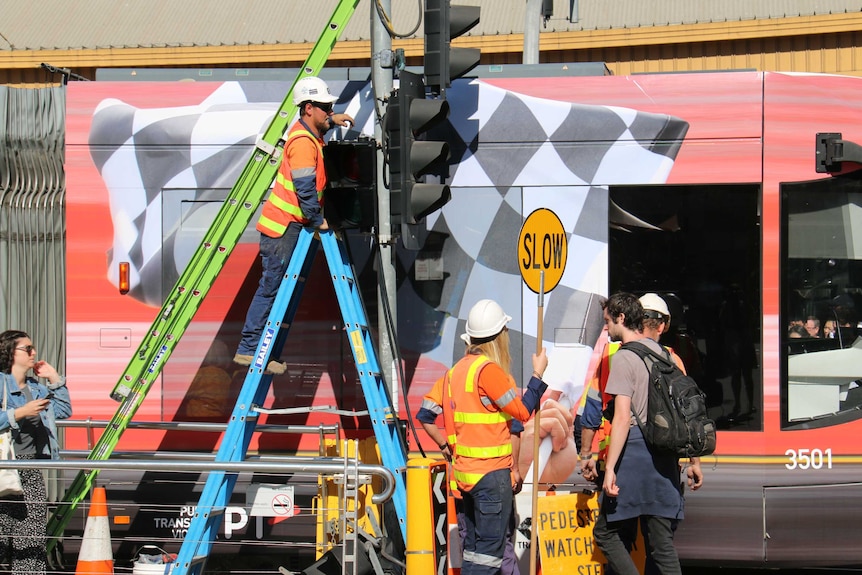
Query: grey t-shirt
x=629 y=377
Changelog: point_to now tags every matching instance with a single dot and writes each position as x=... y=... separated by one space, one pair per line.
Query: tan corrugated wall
x=829 y=44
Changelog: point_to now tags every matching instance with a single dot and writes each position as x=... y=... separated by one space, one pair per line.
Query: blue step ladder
x=219 y=485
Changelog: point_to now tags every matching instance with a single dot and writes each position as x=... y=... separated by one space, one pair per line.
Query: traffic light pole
x=381 y=83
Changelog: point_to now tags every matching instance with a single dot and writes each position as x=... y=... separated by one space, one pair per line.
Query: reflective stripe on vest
x=467 y=478
x=603 y=434
x=282 y=206
x=476 y=429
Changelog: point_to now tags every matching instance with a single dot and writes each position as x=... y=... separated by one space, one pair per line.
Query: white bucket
x=152 y=560
x=151 y=568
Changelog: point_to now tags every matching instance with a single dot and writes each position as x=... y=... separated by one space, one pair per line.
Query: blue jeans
x=275 y=256
x=487 y=511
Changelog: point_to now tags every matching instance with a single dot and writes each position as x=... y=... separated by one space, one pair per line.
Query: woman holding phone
x=31 y=410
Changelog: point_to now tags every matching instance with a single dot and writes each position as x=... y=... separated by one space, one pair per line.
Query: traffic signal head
x=444 y=23
x=351 y=193
x=412 y=155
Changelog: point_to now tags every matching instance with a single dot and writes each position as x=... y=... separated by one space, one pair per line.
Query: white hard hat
x=312 y=89
x=653 y=302
x=485 y=320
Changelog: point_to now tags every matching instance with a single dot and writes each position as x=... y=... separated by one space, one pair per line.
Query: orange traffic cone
x=96 y=556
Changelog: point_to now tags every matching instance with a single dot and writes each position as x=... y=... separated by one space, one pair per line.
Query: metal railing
x=201 y=462
x=325 y=464
x=92 y=425
x=288 y=464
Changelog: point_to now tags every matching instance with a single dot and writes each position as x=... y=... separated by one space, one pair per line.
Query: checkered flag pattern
x=511 y=154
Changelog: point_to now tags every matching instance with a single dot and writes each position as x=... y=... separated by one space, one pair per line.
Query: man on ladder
x=296 y=200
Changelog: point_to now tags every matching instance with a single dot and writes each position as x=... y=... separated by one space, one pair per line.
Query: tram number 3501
x=809 y=458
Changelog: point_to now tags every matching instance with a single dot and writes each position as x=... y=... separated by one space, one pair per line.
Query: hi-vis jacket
x=432 y=406
x=595 y=400
x=480 y=402
x=300 y=181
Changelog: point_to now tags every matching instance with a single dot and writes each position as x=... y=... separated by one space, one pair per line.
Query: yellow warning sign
x=542 y=246
x=358 y=347
x=566 y=544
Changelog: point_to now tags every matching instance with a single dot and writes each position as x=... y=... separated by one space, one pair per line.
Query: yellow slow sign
x=542 y=246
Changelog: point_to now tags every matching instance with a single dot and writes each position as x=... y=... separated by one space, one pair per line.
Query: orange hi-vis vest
x=602 y=438
x=282 y=207
x=433 y=402
x=475 y=426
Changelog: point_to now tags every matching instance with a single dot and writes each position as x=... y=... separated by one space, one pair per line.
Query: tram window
x=822 y=291
x=699 y=247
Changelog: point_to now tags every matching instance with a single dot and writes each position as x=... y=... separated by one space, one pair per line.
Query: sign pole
x=534 y=529
x=542 y=251
x=541 y=314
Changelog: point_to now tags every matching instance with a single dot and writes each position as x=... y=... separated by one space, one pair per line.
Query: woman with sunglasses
x=31 y=409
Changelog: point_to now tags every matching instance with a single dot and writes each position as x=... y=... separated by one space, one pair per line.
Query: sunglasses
x=325 y=107
x=27 y=348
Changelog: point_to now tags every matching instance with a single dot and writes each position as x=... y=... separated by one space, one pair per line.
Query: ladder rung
x=252 y=415
x=213 y=512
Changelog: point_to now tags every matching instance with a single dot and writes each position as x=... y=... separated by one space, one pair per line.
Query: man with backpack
x=595 y=429
x=639 y=486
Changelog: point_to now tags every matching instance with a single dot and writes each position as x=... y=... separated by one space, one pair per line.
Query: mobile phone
x=50 y=395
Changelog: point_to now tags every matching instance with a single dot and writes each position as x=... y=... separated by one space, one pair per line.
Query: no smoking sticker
x=271 y=500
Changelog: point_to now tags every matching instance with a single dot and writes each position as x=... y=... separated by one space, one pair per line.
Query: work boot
x=242 y=359
x=276 y=368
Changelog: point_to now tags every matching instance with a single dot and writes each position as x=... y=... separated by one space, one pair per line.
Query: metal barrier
x=92 y=425
x=132 y=464
x=184 y=463
x=306 y=465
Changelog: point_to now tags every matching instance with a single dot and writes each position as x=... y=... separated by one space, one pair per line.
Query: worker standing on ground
x=296 y=200
x=432 y=406
x=656 y=323
x=479 y=403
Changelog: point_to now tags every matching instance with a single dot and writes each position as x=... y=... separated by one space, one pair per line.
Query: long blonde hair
x=496 y=348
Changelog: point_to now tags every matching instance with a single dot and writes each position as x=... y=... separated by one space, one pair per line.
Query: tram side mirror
x=830 y=151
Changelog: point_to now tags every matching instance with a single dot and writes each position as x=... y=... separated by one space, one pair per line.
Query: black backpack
x=677 y=421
